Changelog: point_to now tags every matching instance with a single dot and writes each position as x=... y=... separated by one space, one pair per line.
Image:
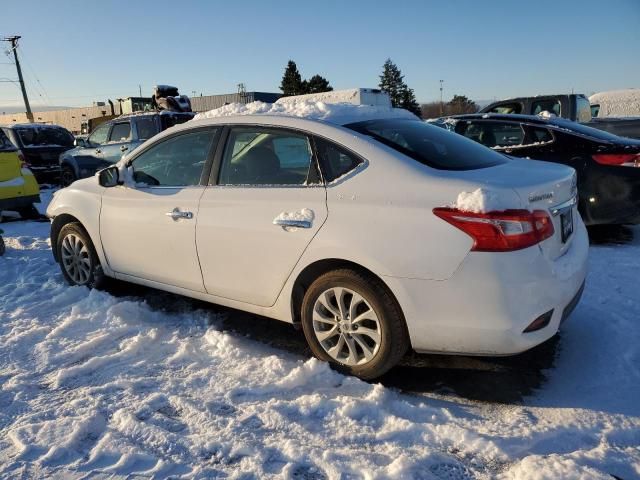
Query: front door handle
x=283 y=222
x=124 y=148
x=98 y=150
x=177 y=214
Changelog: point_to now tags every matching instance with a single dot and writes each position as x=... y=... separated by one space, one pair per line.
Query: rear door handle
x=177 y=214
x=98 y=150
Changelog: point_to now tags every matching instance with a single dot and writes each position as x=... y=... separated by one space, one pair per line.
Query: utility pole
x=441 y=104
x=140 y=89
x=14 y=46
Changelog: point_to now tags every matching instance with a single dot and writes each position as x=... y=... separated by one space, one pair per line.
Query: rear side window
x=507 y=108
x=5 y=143
x=335 y=160
x=551 y=105
x=146 y=127
x=121 y=132
x=495 y=134
x=429 y=145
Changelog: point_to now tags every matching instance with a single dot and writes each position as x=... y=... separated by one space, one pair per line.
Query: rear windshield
x=175 y=119
x=5 y=143
x=430 y=145
x=44 y=136
x=584 y=130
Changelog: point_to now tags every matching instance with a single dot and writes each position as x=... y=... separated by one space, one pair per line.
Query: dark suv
x=110 y=140
x=39 y=147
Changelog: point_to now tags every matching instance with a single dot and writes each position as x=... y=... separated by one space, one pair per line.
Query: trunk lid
x=540 y=186
x=45 y=156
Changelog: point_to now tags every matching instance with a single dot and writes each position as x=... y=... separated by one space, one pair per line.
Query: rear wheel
x=78 y=258
x=352 y=321
x=67 y=176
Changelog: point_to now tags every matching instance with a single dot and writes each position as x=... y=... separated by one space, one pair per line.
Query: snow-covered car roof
x=335 y=113
x=31 y=125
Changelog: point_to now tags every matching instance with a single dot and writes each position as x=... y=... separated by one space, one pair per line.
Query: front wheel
x=352 y=321
x=78 y=258
x=67 y=176
x=29 y=213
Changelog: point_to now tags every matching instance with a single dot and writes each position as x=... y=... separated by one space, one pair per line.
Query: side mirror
x=80 y=142
x=109 y=177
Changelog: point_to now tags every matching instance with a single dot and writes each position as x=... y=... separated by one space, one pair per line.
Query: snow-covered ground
x=96 y=385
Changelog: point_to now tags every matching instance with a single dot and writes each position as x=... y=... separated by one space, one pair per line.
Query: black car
x=110 y=140
x=608 y=166
x=39 y=147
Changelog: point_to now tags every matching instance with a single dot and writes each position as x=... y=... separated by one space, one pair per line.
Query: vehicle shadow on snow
x=487 y=379
x=610 y=235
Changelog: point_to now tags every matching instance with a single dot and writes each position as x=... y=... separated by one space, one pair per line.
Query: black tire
x=393 y=335
x=67 y=176
x=2 y=247
x=95 y=277
x=29 y=213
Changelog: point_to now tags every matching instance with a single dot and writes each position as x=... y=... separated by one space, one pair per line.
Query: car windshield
x=429 y=145
x=584 y=130
x=44 y=136
x=5 y=143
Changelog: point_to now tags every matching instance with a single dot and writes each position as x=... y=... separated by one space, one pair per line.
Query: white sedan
x=377 y=233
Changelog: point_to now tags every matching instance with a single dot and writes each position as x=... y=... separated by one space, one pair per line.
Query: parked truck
x=575 y=107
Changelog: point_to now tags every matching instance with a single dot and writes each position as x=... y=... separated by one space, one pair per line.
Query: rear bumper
x=485 y=306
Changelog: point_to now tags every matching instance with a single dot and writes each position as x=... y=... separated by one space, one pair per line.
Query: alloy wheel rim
x=346 y=326
x=75 y=259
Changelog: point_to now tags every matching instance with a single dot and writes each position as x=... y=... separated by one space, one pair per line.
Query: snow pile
x=14 y=182
x=546 y=114
x=617 y=103
x=304 y=215
x=480 y=200
x=355 y=96
x=98 y=386
x=337 y=113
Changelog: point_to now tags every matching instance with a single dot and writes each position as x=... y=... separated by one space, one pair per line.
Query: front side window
x=259 y=156
x=595 y=110
x=176 y=162
x=583 y=109
x=551 y=105
x=335 y=160
x=428 y=144
x=121 y=132
x=99 y=135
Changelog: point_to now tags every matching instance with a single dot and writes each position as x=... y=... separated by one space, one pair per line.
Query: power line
x=35 y=75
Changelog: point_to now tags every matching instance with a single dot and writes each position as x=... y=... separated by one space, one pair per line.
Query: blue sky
x=81 y=51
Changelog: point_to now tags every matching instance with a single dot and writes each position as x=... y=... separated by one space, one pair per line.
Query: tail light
x=500 y=231
x=615 y=158
x=23 y=160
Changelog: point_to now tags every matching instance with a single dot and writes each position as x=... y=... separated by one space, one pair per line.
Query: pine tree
x=391 y=81
x=318 y=84
x=461 y=104
x=409 y=102
x=292 y=81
